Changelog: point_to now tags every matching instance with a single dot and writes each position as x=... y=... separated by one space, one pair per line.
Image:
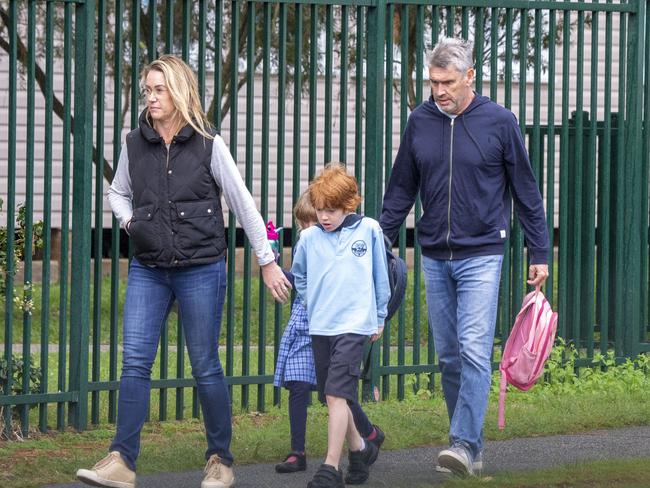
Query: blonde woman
x=166 y=194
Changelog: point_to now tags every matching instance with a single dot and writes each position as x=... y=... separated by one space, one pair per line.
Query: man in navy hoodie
x=466 y=157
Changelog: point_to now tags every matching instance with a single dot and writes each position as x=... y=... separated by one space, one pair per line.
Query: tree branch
x=57 y=105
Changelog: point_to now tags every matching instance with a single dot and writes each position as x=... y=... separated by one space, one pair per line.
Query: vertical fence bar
x=180 y=337
x=563 y=278
x=115 y=228
x=417 y=251
x=449 y=16
x=358 y=97
x=536 y=143
x=550 y=156
x=234 y=79
x=11 y=205
x=218 y=59
x=186 y=8
x=617 y=284
x=517 y=237
x=169 y=26
x=605 y=198
x=494 y=46
x=505 y=298
x=297 y=107
x=280 y=157
x=479 y=42
x=636 y=222
x=164 y=332
x=329 y=34
x=152 y=41
x=99 y=218
x=388 y=154
x=313 y=83
x=47 y=214
x=589 y=208
x=374 y=144
x=343 y=94
x=28 y=208
x=645 y=324
x=576 y=178
x=65 y=212
x=203 y=8
x=266 y=127
x=250 y=94
x=81 y=210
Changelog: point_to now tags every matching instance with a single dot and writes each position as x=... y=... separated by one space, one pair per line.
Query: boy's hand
x=276 y=282
x=376 y=336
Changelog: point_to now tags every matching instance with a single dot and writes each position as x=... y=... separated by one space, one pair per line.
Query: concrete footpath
x=415 y=467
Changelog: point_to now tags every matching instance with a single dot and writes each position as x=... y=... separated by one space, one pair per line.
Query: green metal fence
x=292 y=85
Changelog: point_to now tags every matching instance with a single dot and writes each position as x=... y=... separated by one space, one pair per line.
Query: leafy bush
x=17 y=374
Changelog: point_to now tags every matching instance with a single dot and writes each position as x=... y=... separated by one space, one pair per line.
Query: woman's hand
x=276 y=282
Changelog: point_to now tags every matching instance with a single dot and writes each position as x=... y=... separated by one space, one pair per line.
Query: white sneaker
x=217 y=475
x=477 y=465
x=111 y=471
x=457 y=460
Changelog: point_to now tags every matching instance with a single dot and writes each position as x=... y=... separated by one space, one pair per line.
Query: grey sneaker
x=457 y=460
x=477 y=466
x=111 y=472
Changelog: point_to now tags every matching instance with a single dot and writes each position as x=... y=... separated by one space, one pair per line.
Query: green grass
x=632 y=473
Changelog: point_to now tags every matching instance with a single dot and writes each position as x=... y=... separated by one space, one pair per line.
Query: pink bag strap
x=502 y=401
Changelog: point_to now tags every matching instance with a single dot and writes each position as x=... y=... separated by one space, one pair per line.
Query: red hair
x=334 y=188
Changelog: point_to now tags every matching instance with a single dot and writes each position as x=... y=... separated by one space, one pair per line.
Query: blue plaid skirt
x=295 y=356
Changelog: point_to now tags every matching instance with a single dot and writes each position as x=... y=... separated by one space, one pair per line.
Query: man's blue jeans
x=200 y=293
x=462 y=298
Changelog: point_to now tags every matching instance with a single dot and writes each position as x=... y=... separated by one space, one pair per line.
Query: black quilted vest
x=177 y=218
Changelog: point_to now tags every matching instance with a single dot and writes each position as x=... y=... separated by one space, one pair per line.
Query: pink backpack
x=528 y=346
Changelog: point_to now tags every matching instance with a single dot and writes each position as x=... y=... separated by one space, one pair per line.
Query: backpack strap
x=502 y=401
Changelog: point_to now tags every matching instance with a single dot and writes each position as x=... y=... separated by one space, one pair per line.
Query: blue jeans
x=200 y=293
x=462 y=298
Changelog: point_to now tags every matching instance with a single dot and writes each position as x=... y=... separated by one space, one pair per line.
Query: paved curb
x=415 y=467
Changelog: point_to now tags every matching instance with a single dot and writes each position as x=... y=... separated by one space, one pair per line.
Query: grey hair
x=451 y=51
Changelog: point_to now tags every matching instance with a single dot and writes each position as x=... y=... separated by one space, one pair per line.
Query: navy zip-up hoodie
x=465 y=169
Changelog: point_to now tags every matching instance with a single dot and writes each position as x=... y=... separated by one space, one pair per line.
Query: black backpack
x=397 y=276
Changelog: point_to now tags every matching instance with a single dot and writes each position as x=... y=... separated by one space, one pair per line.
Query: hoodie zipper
x=451 y=169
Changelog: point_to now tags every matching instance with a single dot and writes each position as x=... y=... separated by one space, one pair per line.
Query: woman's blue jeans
x=150 y=293
x=462 y=299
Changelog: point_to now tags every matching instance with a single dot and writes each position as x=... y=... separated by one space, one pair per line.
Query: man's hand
x=376 y=336
x=276 y=282
x=537 y=274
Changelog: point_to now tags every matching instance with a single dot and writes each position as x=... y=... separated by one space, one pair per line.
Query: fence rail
x=547 y=61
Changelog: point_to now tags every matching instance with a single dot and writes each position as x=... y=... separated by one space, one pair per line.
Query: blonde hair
x=303 y=211
x=334 y=188
x=183 y=89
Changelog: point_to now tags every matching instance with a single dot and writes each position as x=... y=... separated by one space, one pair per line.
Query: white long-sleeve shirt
x=225 y=173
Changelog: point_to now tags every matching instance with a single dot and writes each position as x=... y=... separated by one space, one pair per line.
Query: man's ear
x=469 y=78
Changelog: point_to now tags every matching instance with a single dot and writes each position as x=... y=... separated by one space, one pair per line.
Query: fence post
x=376 y=24
x=84 y=63
x=635 y=221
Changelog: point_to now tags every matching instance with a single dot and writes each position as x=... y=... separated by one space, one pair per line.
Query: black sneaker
x=293 y=463
x=327 y=477
x=359 y=464
x=379 y=438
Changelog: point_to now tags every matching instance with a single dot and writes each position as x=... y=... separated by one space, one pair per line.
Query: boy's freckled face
x=330 y=218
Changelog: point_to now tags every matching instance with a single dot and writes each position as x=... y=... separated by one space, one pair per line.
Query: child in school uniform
x=295 y=367
x=341 y=276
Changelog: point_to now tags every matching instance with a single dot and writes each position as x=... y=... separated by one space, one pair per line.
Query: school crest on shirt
x=359 y=248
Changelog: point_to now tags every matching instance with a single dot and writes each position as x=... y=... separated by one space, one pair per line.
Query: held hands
x=276 y=282
x=376 y=336
x=537 y=274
